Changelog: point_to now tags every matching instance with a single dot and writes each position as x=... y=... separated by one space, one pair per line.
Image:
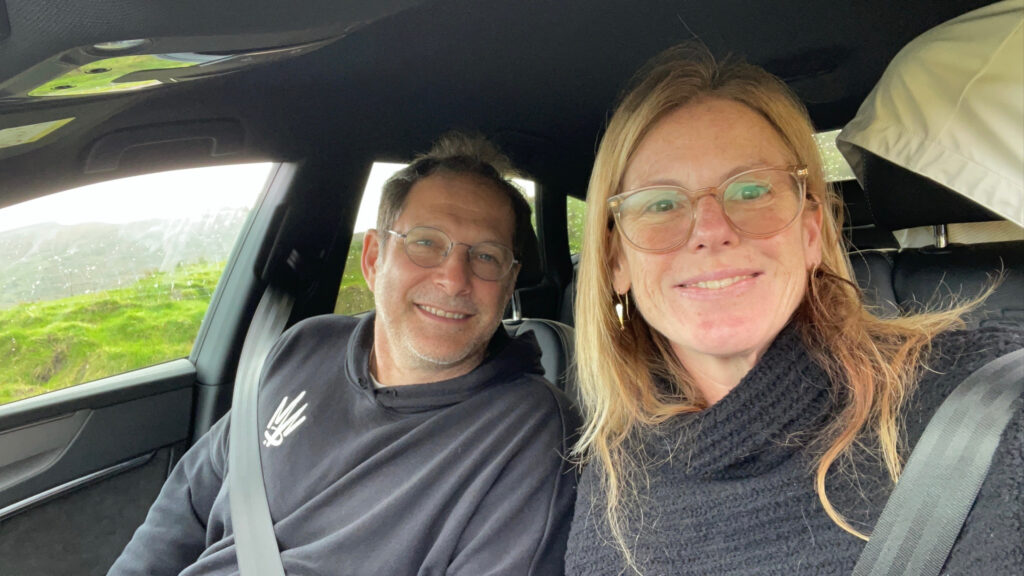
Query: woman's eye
x=747 y=191
x=663 y=205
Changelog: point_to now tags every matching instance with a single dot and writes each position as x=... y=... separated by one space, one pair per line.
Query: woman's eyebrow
x=730 y=174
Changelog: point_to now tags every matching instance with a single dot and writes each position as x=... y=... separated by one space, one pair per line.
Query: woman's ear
x=812 y=222
x=621 y=280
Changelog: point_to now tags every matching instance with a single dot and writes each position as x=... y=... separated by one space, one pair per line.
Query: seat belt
x=255 y=541
x=927 y=510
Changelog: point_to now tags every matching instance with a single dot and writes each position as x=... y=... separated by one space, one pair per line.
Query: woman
x=745 y=412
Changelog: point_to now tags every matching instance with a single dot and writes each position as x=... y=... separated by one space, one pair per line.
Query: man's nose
x=710 y=226
x=455 y=273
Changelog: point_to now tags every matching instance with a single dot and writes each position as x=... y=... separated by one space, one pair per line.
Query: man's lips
x=443 y=313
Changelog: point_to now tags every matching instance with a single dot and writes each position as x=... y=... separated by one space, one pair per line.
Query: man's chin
x=442 y=359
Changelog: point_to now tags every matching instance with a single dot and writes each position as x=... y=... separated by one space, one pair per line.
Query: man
x=419 y=440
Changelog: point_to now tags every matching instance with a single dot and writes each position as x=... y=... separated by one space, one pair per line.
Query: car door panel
x=80 y=467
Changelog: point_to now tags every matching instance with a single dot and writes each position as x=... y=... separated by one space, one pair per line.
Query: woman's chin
x=726 y=340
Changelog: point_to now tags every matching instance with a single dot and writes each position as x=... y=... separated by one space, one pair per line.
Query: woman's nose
x=710 y=226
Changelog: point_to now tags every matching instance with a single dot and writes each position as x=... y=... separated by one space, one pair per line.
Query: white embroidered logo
x=284 y=421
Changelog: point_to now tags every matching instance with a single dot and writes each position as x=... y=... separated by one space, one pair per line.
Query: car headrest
x=899 y=198
x=861 y=230
x=531 y=271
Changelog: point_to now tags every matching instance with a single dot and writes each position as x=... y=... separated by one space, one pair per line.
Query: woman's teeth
x=718 y=284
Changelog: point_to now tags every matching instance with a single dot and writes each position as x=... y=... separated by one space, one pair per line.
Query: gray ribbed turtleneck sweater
x=731 y=489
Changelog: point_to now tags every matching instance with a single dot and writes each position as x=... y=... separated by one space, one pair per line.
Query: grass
x=354 y=296
x=54 y=344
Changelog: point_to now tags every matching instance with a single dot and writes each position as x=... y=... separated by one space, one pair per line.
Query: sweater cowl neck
x=761 y=423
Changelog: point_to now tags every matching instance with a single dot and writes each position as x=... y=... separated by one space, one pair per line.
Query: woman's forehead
x=703 y=143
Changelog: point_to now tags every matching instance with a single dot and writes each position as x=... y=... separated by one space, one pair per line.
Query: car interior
x=319 y=91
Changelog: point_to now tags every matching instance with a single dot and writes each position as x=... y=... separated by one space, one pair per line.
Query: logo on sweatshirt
x=285 y=420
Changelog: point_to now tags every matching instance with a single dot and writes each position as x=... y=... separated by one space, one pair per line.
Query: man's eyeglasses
x=429 y=248
x=757 y=203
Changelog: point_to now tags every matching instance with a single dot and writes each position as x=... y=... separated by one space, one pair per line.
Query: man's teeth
x=718 y=284
x=443 y=314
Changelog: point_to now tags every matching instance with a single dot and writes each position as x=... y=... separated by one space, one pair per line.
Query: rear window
x=835 y=164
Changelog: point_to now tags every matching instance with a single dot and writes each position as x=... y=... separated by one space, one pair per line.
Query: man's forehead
x=461 y=200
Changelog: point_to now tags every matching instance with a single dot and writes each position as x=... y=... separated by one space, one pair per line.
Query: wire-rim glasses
x=429 y=247
x=757 y=203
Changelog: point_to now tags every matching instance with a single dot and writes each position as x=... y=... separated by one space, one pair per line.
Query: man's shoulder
x=533 y=394
x=315 y=334
x=329 y=325
x=309 y=348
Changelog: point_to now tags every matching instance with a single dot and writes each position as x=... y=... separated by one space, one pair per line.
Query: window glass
x=354 y=296
x=575 y=216
x=835 y=165
x=114 y=276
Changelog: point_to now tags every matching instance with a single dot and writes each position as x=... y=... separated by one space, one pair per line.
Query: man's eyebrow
x=451 y=236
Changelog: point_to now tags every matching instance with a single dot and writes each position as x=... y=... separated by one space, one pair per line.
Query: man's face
x=434 y=323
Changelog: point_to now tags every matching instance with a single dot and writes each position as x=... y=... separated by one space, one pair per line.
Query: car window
x=836 y=167
x=353 y=295
x=115 y=276
x=575 y=212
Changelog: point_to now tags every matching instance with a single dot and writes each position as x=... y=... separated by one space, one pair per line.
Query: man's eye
x=424 y=242
x=488 y=256
x=747 y=191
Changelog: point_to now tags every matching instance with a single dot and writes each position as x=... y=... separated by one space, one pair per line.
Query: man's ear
x=371 y=257
x=513 y=275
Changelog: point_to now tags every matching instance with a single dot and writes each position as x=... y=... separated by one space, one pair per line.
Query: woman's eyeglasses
x=757 y=203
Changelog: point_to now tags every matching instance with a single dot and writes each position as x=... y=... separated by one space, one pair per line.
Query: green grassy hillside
x=354 y=297
x=58 y=343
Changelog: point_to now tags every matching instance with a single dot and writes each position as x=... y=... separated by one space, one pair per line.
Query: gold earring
x=622 y=310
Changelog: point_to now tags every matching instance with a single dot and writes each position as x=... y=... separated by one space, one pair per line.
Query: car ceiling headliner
x=540 y=77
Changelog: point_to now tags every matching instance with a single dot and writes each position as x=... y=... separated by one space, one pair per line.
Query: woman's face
x=721 y=294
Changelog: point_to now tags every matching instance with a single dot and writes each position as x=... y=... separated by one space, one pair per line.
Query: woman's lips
x=717 y=284
x=718 y=280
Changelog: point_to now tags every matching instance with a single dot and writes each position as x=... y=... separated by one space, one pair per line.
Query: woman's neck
x=716 y=376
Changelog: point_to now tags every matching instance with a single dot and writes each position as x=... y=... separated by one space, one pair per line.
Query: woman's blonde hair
x=875 y=360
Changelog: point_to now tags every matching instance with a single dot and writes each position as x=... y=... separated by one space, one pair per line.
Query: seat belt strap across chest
x=255 y=541
x=926 y=511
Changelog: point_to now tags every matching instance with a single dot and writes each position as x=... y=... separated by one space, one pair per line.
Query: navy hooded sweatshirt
x=464 y=476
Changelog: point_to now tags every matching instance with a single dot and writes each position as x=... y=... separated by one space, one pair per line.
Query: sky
x=165 y=195
x=177 y=194
x=379 y=174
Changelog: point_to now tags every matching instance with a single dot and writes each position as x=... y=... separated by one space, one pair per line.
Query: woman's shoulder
x=964 y=351
x=953 y=356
